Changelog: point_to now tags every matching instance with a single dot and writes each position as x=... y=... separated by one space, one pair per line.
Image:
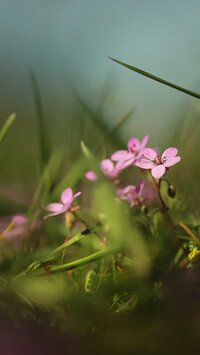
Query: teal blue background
x=67 y=44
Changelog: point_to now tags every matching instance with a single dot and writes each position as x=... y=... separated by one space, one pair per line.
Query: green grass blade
x=99 y=124
x=117 y=127
x=78 y=263
x=6 y=126
x=39 y=263
x=40 y=118
x=73 y=240
x=151 y=76
x=73 y=176
x=47 y=179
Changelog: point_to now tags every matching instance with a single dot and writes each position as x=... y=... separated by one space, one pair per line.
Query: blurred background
x=66 y=44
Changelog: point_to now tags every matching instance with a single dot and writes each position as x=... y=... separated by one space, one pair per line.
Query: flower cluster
x=137 y=154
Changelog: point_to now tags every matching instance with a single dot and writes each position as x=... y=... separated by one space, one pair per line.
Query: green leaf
x=151 y=76
x=6 y=126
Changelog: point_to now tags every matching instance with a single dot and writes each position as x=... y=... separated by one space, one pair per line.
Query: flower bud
x=171 y=191
x=69 y=219
x=144 y=209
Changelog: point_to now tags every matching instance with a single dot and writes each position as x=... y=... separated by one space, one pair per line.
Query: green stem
x=165 y=208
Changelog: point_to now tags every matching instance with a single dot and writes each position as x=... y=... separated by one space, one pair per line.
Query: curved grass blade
x=78 y=263
x=117 y=127
x=6 y=126
x=39 y=263
x=156 y=78
x=40 y=117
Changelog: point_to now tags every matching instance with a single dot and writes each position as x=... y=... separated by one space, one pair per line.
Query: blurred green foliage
x=121 y=275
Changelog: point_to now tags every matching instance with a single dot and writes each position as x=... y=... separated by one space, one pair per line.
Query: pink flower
x=19 y=219
x=64 y=205
x=22 y=227
x=91 y=175
x=135 y=151
x=158 y=164
x=132 y=193
x=110 y=170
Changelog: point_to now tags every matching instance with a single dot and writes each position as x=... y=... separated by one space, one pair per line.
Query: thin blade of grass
x=78 y=263
x=97 y=120
x=73 y=176
x=156 y=78
x=47 y=180
x=117 y=127
x=39 y=263
x=6 y=126
x=11 y=225
x=40 y=119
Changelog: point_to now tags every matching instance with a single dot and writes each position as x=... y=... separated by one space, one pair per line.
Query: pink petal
x=121 y=155
x=144 y=142
x=54 y=207
x=144 y=163
x=133 y=144
x=19 y=219
x=52 y=214
x=139 y=187
x=124 y=164
x=169 y=153
x=128 y=193
x=66 y=195
x=16 y=232
x=149 y=153
x=106 y=166
x=91 y=175
x=172 y=161
x=124 y=191
x=119 y=167
x=77 y=194
x=158 y=171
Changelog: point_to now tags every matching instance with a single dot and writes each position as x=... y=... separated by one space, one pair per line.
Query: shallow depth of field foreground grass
x=103 y=256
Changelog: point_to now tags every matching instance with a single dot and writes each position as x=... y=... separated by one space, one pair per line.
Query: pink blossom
x=19 y=219
x=158 y=164
x=135 y=151
x=91 y=175
x=22 y=227
x=110 y=170
x=64 y=205
x=132 y=193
